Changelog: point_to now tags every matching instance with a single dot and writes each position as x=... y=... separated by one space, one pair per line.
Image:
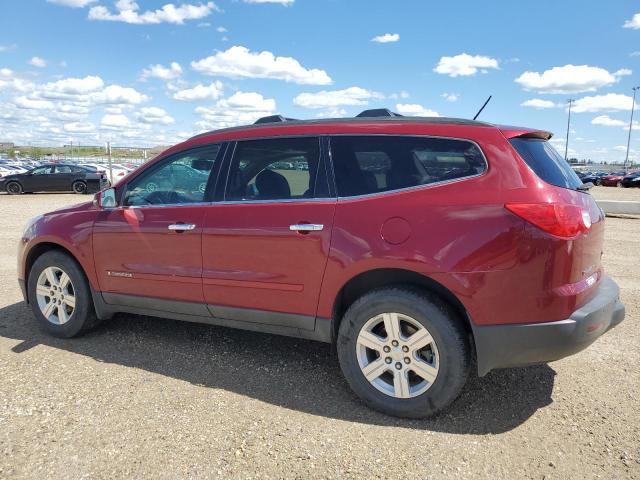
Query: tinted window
x=41 y=170
x=180 y=179
x=276 y=169
x=546 y=162
x=65 y=169
x=372 y=164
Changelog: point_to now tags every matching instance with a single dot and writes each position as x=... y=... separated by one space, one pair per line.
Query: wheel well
x=40 y=249
x=387 y=277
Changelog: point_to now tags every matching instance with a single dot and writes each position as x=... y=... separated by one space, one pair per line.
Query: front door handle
x=306 y=227
x=180 y=227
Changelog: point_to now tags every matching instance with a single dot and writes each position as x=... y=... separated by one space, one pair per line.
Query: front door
x=266 y=244
x=150 y=246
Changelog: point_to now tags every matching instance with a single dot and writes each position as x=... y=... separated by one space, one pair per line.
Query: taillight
x=561 y=220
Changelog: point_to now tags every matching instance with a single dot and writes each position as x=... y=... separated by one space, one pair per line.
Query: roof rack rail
x=378 y=112
x=273 y=119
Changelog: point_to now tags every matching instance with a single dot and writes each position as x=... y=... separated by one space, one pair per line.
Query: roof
x=350 y=120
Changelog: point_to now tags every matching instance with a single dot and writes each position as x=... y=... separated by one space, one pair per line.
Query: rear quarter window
x=375 y=164
x=546 y=162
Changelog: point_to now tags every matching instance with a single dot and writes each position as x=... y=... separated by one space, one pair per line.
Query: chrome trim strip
x=306 y=227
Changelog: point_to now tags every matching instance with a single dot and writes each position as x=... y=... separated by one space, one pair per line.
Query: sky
x=147 y=73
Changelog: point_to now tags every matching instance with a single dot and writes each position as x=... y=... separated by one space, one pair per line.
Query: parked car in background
x=593 y=177
x=119 y=171
x=419 y=246
x=628 y=180
x=613 y=179
x=54 y=177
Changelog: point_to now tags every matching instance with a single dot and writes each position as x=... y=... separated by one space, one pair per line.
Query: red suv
x=419 y=246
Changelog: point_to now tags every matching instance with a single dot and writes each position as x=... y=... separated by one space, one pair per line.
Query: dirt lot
x=142 y=396
x=613 y=193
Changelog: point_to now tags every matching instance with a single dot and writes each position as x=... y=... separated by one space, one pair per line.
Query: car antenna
x=482 y=108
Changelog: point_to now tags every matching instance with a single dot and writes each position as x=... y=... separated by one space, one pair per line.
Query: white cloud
x=281 y=2
x=333 y=113
x=116 y=94
x=603 y=103
x=221 y=29
x=70 y=86
x=569 y=79
x=79 y=127
x=607 y=121
x=72 y=3
x=213 y=91
x=450 y=97
x=239 y=109
x=635 y=54
x=335 y=98
x=128 y=12
x=386 y=38
x=538 y=103
x=38 y=62
x=204 y=25
x=239 y=62
x=115 y=121
x=7 y=48
x=633 y=23
x=155 y=115
x=465 y=65
x=415 y=110
x=33 y=104
x=171 y=72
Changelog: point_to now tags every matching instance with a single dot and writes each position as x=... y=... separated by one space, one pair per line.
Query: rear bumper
x=500 y=346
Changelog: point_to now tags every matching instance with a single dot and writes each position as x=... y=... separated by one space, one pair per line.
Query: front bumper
x=516 y=345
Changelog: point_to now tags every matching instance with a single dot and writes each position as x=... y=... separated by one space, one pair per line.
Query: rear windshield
x=546 y=162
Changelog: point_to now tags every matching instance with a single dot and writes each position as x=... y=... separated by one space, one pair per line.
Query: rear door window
x=546 y=162
x=374 y=164
x=276 y=169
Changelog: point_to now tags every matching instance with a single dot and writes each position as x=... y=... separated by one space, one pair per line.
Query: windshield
x=546 y=162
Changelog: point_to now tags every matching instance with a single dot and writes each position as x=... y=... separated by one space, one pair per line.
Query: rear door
x=266 y=242
x=62 y=177
x=150 y=247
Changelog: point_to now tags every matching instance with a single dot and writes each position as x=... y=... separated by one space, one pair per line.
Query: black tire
x=446 y=330
x=79 y=187
x=83 y=317
x=14 y=188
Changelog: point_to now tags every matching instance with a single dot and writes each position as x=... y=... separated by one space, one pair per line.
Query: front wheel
x=59 y=295
x=403 y=352
x=14 y=188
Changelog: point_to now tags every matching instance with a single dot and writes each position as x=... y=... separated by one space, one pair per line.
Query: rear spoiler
x=521 y=132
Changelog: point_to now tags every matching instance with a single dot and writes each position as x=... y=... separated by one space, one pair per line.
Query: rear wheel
x=14 y=188
x=59 y=295
x=598 y=182
x=79 y=187
x=403 y=352
x=619 y=184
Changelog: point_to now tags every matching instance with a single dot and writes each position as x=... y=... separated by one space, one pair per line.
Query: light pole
x=626 y=159
x=566 y=144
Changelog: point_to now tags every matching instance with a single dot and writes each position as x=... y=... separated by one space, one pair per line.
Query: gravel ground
x=142 y=396
x=613 y=193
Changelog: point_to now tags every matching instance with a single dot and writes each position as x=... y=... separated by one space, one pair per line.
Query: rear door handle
x=179 y=227
x=306 y=227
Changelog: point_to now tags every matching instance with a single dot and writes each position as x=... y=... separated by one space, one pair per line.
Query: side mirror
x=106 y=198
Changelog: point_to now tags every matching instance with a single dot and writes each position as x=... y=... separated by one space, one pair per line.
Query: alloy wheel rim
x=397 y=355
x=14 y=188
x=79 y=187
x=55 y=295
